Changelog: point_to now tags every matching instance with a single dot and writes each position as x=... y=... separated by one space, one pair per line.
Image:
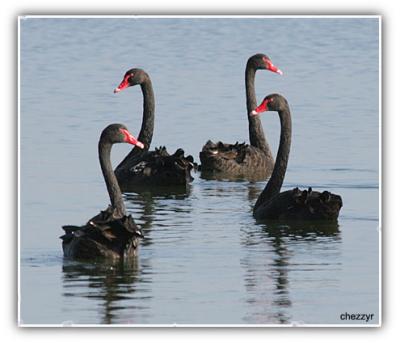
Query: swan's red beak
x=124 y=84
x=262 y=108
x=128 y=138
x=271 y=67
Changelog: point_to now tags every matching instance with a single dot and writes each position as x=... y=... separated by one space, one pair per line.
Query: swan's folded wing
x=106 y=225
x=235 y=152
x=70 y=228
x=160 y=166
x=251 y=156
x=71 y=231
x=130 y=225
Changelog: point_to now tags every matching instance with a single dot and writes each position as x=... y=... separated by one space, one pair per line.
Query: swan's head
x=272 y=102
x=261 y=61
x=118 y=133
x=132 y=77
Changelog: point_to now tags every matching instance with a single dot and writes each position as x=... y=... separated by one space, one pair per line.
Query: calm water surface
x=204 y=259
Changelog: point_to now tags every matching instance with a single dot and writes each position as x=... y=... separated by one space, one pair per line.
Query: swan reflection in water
x=226 y=176
x=281 y=253
x=180 y=191
x=121 y=289
x=152 y=208
x=108 y=284
x=111 y=282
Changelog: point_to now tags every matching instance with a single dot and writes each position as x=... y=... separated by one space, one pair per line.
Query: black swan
x=111 y=233
x=293 y=204
x=252 y=161
x=143 y=169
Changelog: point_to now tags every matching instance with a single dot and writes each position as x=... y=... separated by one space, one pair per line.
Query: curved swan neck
x=146 y=131
x=256 y=133
x=274 y=184
x=251 y=100
x=109 y=177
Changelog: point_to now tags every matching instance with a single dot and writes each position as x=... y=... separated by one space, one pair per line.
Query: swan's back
x=103 y=236
x=156 y=168
x=235 y=160
x=300 y=205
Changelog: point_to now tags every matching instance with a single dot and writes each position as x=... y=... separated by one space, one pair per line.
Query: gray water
x=204 y=259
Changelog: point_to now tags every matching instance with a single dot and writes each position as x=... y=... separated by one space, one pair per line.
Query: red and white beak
x=128 y=138
x=124 y=84
x=262 y=108
x=269 y=65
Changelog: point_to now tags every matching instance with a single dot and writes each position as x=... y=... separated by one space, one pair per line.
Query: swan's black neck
x=146 y=131
x=256 y=133
x=109 y=177
x=274 y=184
